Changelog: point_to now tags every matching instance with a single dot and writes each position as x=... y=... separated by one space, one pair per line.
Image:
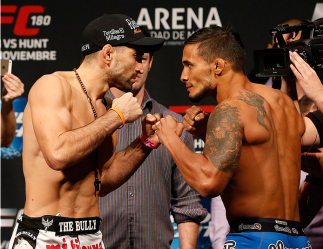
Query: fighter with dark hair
x=252 y=144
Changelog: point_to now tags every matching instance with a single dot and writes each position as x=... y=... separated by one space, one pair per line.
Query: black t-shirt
x=317 y=118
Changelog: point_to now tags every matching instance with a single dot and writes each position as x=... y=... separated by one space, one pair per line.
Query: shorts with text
x=55 y=232
x=266 y=233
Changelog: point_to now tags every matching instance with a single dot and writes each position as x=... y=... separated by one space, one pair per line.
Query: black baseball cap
x=116 y=30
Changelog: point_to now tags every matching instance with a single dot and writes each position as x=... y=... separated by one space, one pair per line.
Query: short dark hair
x=305 y=103
x=215 y=42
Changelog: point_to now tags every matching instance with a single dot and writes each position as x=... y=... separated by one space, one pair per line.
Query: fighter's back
x=266 y=180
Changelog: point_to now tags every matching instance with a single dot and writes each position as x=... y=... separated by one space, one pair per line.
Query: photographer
x=311 y=191
x=313 y=89
x=12 y=88
x=275 y=81
x=277 y=63
x=282 y=62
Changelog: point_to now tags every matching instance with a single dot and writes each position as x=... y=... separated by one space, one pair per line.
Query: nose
x=139 y=67
x=184 y=76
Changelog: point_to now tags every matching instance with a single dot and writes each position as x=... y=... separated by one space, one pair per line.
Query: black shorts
x=57 y=232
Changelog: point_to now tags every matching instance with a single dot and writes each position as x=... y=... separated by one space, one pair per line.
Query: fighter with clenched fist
x=69 y=155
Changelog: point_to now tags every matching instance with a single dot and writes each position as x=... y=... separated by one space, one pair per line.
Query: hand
x=167 y=127
x=13 y=87
x=149 y=126
x=289 y=37
x=195 y=121
x=128 y=106
x=306 y=77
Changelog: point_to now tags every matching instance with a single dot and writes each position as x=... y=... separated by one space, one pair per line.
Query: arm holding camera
x=313 y=89
x=13 y=88
x=310 y=191
x=308 y=79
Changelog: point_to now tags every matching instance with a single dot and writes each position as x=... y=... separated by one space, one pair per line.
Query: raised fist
x=168 y=126
x=195 y=121
x=149 y=125
x=128 y=106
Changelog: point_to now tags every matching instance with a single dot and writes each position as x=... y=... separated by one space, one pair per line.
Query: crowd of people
x=97 y=175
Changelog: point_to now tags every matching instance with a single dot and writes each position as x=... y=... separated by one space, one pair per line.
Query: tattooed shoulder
x=256 y=101
x=224 y=137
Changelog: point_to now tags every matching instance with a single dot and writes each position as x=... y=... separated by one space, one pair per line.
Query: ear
x=219 y=65
x=107 y=52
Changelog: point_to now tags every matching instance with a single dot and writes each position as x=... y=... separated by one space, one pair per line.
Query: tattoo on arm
x=258 y=102
x=224 y=138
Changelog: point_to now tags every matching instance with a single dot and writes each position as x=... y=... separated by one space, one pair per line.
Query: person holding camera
x=311 y=191
x=308 y=79
x=311 y=211
x=275 y=81
x=12 y=89
x=312 y=87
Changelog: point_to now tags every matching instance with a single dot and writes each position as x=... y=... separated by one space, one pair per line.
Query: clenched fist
x=128 y=106
x=149 y=125
x=195 y=121
x=168 y=127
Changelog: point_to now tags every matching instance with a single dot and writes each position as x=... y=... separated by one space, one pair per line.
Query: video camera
x=275 y=61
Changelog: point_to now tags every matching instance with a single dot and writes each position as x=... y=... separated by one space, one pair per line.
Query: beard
x=120 y=79
x=121 y=82
x=200 y=95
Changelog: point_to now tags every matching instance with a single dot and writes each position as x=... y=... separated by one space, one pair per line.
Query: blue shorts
x=264 y=233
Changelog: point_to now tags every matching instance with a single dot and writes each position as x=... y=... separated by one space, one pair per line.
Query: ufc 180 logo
x=20 y=17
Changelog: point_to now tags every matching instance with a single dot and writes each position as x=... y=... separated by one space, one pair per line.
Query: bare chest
x=83 y=112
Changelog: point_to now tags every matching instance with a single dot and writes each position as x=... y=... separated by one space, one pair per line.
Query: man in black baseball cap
x=116 y=30
x=70 y=138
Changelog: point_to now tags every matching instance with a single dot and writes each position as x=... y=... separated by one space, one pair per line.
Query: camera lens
x=274 y=61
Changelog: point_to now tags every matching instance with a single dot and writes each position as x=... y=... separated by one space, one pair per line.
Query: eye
x=138 y=57
x=189 y=65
